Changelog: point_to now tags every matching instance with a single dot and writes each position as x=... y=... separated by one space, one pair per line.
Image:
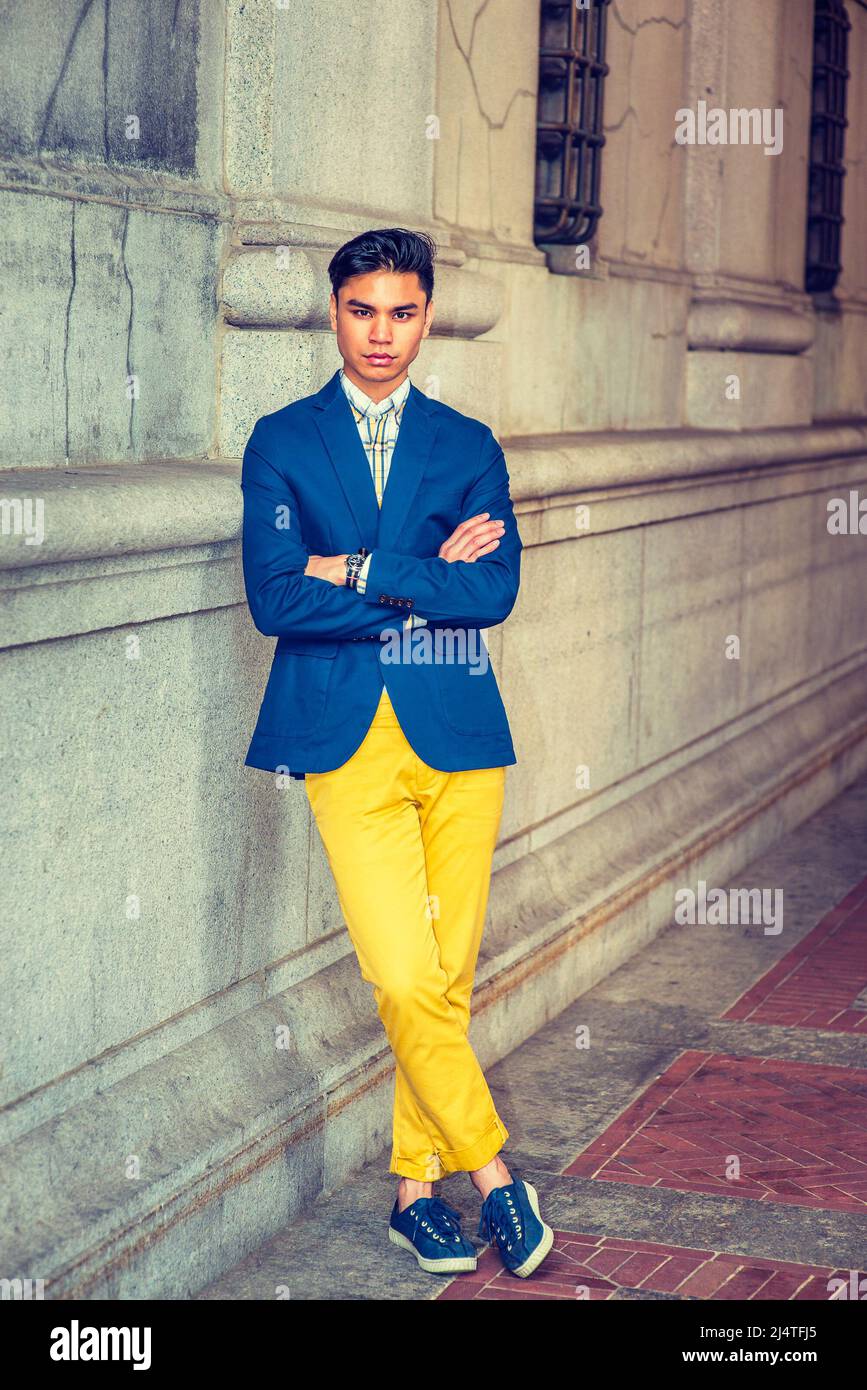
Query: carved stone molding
x=288 y=287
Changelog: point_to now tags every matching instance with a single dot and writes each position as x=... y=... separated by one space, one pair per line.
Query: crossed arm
x=286 y=601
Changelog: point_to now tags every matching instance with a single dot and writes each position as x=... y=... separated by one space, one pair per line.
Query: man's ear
x=332 y=310
x=428 y=318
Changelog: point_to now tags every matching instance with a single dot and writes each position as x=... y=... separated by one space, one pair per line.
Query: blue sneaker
x=510 y=1219
x=431 y=1229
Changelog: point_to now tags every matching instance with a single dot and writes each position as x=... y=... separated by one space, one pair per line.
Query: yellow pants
x=410 y=848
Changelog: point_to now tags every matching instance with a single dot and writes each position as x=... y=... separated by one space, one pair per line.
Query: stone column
x=334 y=125
x=750 y=322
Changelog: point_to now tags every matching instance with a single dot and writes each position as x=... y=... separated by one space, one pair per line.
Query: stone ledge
x=130 y=544
x=720 y=319
x=262 y=288
x=542 y=466
x=233 y=1154
x=114 y=509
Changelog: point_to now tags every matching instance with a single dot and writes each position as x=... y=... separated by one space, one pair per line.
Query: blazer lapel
x=348 y=459
x=376 y=525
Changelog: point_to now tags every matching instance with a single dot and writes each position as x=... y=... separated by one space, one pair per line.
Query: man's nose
x=380 y=332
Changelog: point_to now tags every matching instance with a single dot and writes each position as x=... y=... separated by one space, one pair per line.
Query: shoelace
x=500 y=1219
x=439 y=1216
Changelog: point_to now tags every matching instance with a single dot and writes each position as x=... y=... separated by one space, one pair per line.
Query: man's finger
x=476 y=530
x=469 y=521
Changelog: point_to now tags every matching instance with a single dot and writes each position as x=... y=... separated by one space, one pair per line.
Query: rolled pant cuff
x=422 y=1172
x=455 y=1160
x=475 y=1155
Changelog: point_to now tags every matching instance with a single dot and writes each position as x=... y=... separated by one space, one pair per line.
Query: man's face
x=380 y=321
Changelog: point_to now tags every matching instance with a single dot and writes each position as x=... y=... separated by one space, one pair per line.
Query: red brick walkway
x=816 y=984
x=594 y=1268
x=744 y=1127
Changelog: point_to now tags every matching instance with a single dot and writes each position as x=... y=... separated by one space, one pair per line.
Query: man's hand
x=474 y=537
x=329 y=567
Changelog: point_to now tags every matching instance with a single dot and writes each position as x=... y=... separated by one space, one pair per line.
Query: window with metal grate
x=831 y=25
x=569 y=138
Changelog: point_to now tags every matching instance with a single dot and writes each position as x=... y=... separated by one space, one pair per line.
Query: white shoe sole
x=459 y=1264
x=533 y=1261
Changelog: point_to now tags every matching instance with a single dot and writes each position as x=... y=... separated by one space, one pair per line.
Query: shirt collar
x=362 y=402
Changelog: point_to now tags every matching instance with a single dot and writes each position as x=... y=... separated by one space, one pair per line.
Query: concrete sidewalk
x=706 y=1137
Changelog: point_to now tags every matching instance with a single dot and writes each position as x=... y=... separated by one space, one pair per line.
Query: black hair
x=390 y=248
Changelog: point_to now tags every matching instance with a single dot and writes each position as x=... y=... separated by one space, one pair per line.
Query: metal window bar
x=831 y=25
x=569 y=138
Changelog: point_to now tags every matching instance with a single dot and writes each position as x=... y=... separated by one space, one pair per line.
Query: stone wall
x=189 y=1053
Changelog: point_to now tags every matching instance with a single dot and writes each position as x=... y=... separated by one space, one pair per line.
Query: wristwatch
x=353 y=566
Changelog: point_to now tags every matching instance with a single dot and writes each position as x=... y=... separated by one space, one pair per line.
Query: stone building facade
x=189 y=1054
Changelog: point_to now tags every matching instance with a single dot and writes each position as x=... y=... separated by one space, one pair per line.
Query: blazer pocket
x=297 y=689
x=306 y=646
x=470 y=697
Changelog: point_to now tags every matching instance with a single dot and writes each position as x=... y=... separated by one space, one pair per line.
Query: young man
x=378 y=538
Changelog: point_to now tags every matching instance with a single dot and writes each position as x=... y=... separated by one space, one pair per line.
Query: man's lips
x=378 y=357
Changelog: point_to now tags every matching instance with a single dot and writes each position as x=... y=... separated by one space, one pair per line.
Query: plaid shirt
x=378 y=424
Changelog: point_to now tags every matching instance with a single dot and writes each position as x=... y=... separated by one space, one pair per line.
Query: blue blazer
x=308 y=489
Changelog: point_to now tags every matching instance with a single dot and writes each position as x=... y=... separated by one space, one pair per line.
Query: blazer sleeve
x=283 y=600
x=468 y=593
